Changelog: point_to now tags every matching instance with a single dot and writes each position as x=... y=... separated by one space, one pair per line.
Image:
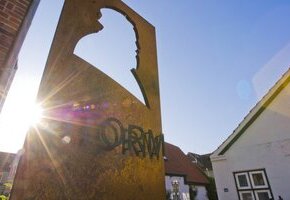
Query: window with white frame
x=242 y=180
x=246 y=195
x=258 y=179
x=253 y=185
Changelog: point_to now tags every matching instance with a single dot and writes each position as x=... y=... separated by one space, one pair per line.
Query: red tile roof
x=177 y=163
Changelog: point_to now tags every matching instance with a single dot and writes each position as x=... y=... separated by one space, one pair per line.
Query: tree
x=211 y=189
x=192 y=192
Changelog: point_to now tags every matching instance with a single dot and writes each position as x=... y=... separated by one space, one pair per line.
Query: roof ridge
x=256 y=110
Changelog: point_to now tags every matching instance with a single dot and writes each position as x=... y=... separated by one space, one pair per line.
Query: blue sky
x=216 y=59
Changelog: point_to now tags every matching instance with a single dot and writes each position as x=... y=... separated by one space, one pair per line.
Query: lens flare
x=35 y=115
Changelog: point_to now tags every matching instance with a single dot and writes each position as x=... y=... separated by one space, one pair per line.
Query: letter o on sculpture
x=110 y=133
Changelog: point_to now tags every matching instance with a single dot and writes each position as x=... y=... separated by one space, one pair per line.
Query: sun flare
x=19 y=113
x=35 y=115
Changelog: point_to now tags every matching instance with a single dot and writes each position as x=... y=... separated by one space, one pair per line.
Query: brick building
x=15 y=19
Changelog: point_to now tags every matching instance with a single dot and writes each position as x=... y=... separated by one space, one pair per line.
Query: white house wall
x=184 y=189
x=264 y=145
x=224 y=181
x=201 y=193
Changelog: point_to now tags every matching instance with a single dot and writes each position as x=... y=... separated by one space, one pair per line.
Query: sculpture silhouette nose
x=99 y=25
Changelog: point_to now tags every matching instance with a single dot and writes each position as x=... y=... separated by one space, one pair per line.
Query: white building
x=183 y=178
x=254 y=162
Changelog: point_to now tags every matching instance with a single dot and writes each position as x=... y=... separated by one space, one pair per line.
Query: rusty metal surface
x=97 y=140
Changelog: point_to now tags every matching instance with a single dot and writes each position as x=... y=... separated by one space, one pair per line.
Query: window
x=258 y=179
x=263 y=194
x=246 y=195
x=253 y=185
x=243 y=181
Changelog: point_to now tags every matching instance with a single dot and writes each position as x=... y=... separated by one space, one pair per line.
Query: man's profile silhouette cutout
x=115 y=60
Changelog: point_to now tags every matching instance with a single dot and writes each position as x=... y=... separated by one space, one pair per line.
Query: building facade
x=253 y=163
x=6 y=160
x=203 y=162
x=183 y=179
x=15 y=19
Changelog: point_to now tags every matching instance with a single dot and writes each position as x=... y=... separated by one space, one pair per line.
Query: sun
x=20 y=112
x=35 y=115
x=15 y=122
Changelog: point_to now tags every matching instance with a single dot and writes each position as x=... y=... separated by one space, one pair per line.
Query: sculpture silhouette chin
x=115 y=60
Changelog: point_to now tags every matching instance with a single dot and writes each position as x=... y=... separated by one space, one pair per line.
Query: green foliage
x=3 y=197
x=192 y=192
x=8 y=185
x=168 y=194
x=211 y=189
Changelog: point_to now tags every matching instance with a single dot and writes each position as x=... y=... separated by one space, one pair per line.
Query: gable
x=258 y=110
x=178 y=164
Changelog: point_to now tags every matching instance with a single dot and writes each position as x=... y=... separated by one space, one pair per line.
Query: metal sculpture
x=97 y=140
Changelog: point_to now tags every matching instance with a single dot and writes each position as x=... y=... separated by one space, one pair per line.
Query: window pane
x=243 y=182
x=258 y=179
x=263 y=195
x=247 y=196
